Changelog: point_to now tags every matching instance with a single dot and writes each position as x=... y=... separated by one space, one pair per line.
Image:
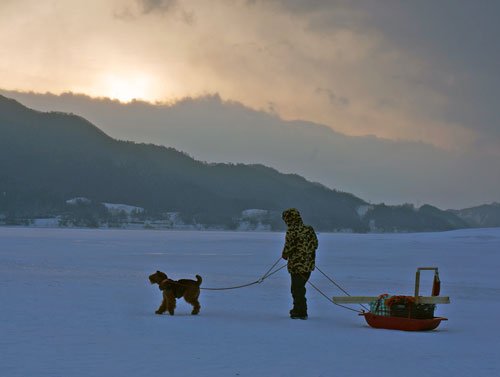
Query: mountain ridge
x=213 y=129
x=483 y=216
x=48 y=158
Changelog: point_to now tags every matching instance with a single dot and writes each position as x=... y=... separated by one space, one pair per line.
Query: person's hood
x=291 y=217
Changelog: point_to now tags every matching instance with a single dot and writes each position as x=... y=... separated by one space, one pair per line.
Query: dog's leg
x=170 y=302
x=196 y=307
x=193 y=300
x=163 y=306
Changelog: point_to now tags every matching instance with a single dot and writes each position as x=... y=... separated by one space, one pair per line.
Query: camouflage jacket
x=300 y=243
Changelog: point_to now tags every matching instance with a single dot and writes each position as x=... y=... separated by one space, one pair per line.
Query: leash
x=271 y=271
x=329 y=299
x=244 y=285
x=338 y=286
x=268 y=273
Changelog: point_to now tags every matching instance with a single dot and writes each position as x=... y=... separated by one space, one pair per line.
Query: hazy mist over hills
x=213 y=130
x=60 y=166
x=48 y=158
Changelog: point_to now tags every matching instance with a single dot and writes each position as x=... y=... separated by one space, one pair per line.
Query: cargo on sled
x=408 y=313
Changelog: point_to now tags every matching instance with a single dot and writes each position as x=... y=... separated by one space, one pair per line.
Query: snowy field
x=78 y=303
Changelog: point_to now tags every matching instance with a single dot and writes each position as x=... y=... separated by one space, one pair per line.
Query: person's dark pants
x=298 y=290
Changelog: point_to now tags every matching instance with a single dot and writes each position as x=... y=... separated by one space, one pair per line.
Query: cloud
x=454 y=41
x=161 y=6
x=334 y=98
x=400 y=70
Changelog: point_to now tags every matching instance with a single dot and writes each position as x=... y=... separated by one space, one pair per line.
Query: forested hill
x=48 y=158
x=483 y=216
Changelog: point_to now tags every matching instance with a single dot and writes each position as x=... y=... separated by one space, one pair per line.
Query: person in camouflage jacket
x=300 y=252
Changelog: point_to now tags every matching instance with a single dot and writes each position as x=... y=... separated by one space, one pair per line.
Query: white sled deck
x=368 y=299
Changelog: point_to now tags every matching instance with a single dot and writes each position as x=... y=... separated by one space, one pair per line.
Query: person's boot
x=295 y=314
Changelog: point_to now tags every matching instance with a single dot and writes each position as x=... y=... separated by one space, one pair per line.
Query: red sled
x=401 y=323
x=412 y=319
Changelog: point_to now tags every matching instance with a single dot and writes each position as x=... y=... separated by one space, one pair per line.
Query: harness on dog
x=177 y=287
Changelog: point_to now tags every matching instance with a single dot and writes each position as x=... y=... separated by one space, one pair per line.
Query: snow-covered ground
x=77 y=302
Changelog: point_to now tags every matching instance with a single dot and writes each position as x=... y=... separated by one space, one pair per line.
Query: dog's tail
x=198 y=280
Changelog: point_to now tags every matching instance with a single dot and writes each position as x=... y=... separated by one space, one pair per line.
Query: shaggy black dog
x=174 y=289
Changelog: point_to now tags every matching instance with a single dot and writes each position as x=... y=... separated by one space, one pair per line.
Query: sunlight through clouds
x=325 y=61
x=126 y=87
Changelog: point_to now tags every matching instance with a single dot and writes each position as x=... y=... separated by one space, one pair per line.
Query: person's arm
x=315 y=239
x=289 y=245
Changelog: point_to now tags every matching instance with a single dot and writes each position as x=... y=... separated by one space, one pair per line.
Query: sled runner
x=408 y=313
x=402 y=323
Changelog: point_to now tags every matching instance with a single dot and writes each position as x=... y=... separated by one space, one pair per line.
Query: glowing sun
x=126 y=88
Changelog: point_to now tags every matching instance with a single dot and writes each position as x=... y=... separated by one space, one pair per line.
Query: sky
x=421 y=71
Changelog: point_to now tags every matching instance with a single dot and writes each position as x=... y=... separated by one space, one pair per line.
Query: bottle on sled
x=407 y=313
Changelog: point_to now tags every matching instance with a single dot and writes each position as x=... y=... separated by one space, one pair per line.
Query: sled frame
x=418 y=299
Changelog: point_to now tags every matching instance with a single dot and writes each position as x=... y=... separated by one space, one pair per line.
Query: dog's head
x=157 y=277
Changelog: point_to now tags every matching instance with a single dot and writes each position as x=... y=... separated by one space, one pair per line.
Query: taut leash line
x=338 y=286
x=329 y=299
x=271 y=271
x=268 y=273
